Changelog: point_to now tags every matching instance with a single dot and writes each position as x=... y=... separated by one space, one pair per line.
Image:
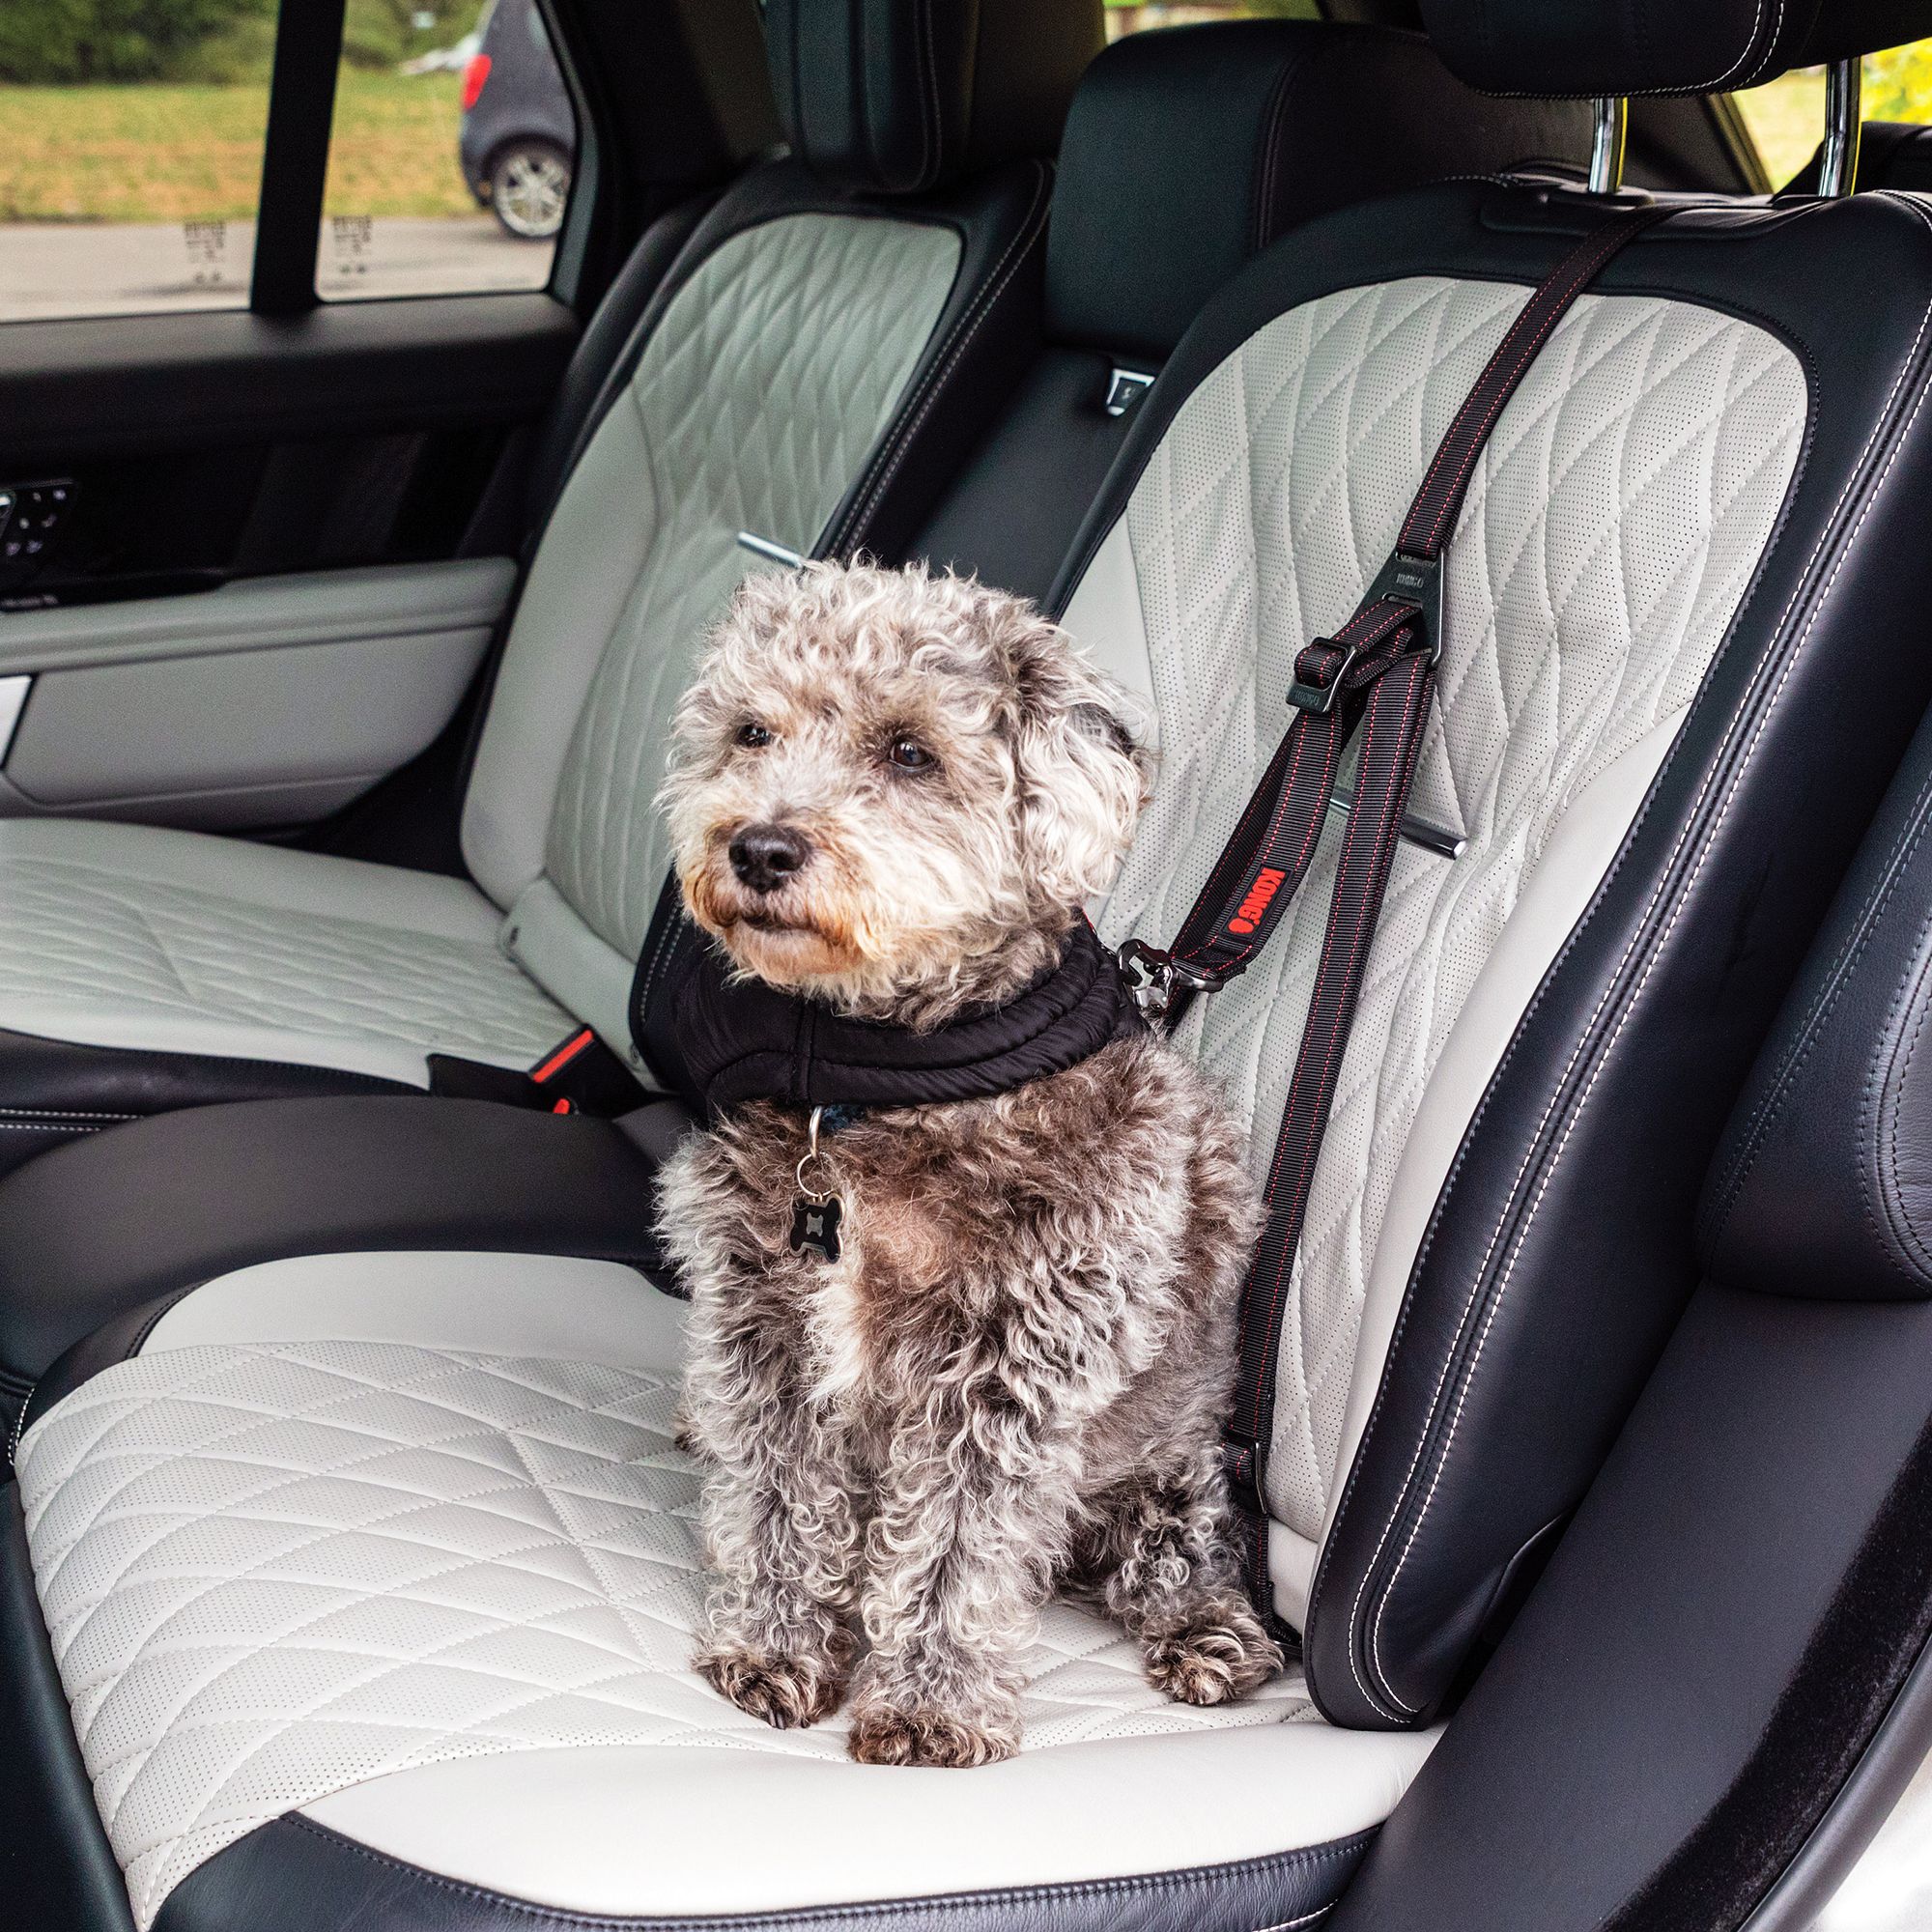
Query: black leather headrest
x=1658 y=47
x=1188 y=148
x=904 y=95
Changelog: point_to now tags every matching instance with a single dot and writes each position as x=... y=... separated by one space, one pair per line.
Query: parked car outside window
x=519 y=133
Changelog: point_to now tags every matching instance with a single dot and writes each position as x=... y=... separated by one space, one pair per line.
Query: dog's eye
x=908 y=755
x=752 y=737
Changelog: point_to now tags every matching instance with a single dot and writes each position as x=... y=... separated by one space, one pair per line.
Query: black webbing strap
x=1376 y=674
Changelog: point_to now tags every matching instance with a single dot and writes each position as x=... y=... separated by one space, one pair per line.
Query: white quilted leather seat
x=400 y=1545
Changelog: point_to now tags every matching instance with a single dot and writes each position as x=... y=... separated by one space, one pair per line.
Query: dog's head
x=895 y=790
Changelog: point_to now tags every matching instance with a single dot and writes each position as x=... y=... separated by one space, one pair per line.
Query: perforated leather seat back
x=1497 y=1234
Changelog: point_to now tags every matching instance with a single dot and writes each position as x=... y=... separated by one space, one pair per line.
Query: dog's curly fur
x=1013 y=1380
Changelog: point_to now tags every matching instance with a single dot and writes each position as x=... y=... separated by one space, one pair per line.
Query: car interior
x=349 y=1562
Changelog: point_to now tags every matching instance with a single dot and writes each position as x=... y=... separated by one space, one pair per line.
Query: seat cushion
x=404 y=1544
x=173 y=942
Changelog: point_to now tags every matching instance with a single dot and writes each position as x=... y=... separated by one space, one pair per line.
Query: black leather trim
x=1724 y=1626
x=1654 y=47
x=903 y=98
x=1189 y=150
x=119 y=1339
x=1891 y=153
x=1558 y=1255
x=101 y=1227
x=56 y=1869
x=1822 y=1185
x=1013 y=506
x=53 y=1090
x=1853 y=1668
x=298 y=1876
x=983 y=341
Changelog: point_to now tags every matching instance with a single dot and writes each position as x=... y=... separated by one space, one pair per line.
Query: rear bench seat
x=1259 y=121
x=368 y=1578
x=840 y=330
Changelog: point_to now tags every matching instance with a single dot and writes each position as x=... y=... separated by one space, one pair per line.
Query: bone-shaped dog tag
x=814 y=1225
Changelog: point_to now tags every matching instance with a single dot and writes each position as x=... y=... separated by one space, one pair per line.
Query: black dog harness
x=719 y=1040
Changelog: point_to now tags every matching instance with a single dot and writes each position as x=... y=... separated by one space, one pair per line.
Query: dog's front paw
x=882 y=1734
x=788 y=1692
x=1213 y=1659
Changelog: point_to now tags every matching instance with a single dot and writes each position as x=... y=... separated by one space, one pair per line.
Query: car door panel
x=258 y=601
x=267 y=701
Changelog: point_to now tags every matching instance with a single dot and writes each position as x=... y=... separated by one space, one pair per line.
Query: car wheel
x=529 y=184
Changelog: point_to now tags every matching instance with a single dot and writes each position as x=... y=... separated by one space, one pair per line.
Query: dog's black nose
x=766 y=856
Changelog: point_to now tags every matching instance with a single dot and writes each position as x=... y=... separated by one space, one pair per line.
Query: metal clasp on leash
x=1152 y=975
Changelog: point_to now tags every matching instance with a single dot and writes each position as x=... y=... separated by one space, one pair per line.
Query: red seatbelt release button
x=560 y=1058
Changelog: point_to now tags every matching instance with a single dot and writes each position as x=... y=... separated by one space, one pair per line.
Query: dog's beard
x=788 y=938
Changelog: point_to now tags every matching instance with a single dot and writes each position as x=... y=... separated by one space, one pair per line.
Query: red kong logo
x=1267 y=881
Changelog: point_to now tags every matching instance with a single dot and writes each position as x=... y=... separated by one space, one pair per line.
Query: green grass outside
x=167 y=153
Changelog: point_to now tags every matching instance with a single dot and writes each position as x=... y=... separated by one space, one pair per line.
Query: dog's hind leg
x=1156 y=1559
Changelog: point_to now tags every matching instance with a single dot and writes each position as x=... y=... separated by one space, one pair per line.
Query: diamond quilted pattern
x=114 y=941
x=762 y=388
x=1614 y=522
x=268 y=1573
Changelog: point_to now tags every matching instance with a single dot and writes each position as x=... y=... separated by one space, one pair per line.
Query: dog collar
x=721 y=1041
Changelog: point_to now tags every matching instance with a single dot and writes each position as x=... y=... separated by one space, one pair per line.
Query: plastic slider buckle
x=1151 y=977
x=1304 y=694
x=1415 y=580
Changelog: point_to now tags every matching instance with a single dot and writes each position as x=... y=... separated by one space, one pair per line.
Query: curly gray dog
x=1011 y=1379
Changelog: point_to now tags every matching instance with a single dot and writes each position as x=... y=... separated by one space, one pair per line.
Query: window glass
x=450 y=160
x=130 y=154
x=1131 y=16
x=1787 y=117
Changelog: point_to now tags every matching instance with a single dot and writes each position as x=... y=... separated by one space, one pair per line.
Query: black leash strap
x=1378 y=673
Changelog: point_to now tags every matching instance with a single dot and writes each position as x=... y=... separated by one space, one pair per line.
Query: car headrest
x=900 y=99
x=1189 y=149
x=1583 y=48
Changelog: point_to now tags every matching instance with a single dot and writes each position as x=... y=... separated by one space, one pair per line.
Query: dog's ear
x=1081 y=776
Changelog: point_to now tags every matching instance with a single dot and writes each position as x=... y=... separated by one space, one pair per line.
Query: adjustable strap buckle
x=1322 y=668
x=1151 y=977
x=1242 y=1466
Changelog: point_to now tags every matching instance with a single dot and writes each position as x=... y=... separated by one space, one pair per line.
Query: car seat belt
x=578 y=1075
x=1377 y=673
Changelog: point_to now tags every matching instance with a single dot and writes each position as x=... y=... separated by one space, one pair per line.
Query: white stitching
x=62 y=1114
x=1855 y=476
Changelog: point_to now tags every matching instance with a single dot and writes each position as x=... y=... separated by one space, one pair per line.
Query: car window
x=130 y=160
x=141 y=169
x=1786 y=118
x=452 y=153
x=1131 y=16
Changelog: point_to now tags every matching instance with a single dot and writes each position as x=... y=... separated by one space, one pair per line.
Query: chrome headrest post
x=1844 y=122
x=1610 y=120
